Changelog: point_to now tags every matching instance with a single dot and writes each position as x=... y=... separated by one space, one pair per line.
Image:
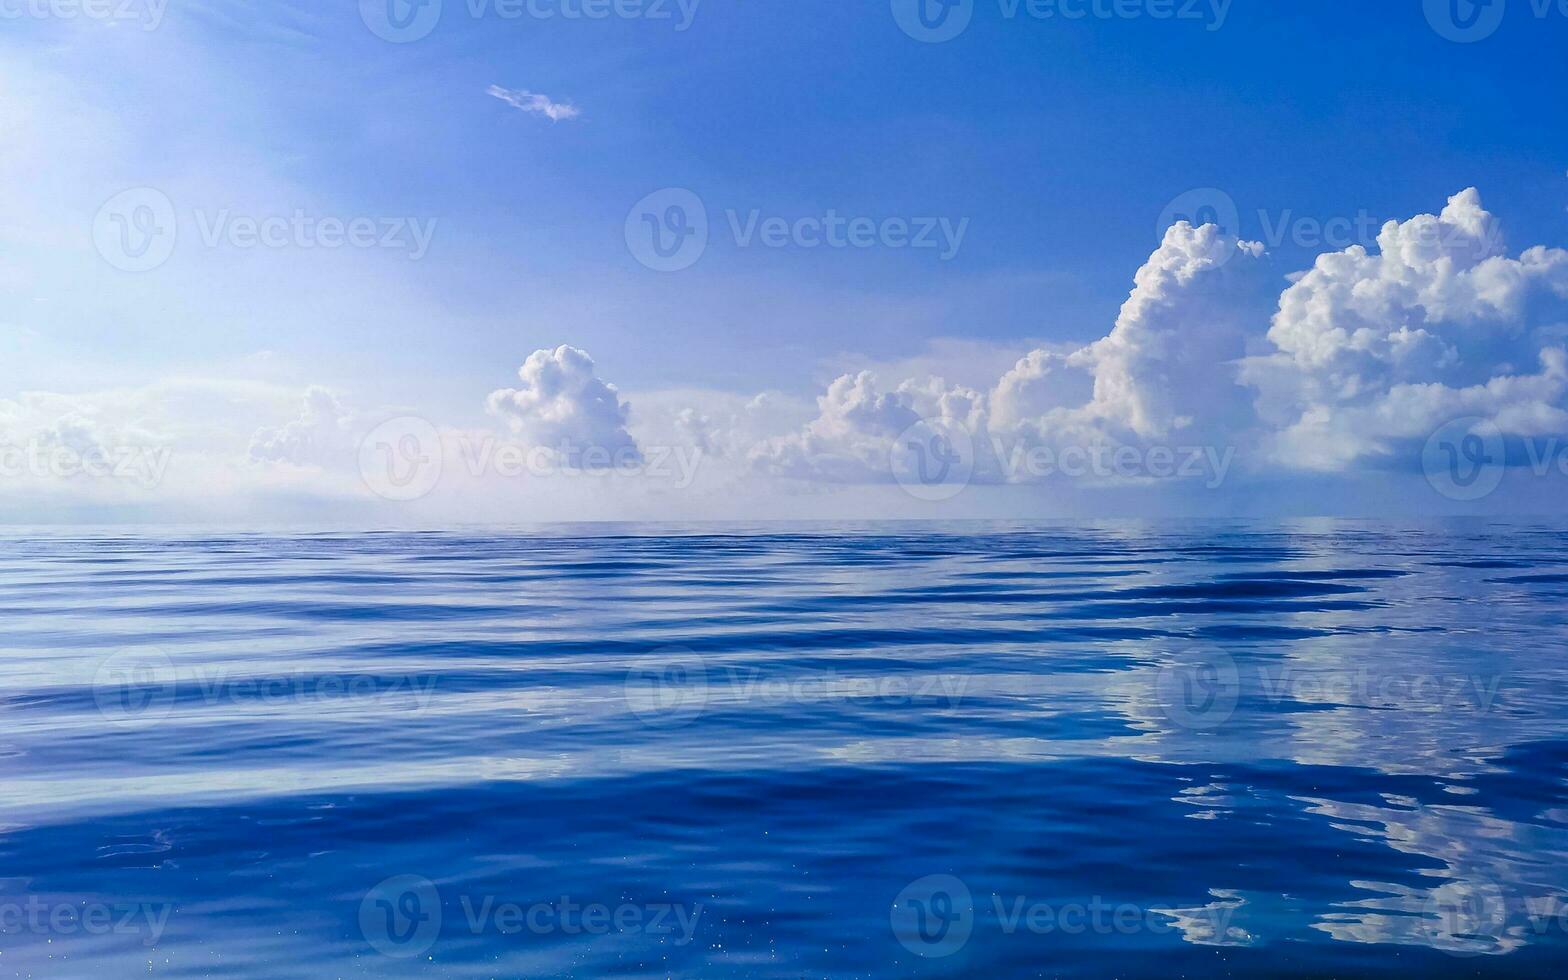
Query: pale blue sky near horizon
x=1056 y=143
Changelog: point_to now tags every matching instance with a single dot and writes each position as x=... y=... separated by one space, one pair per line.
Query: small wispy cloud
x=534 y=102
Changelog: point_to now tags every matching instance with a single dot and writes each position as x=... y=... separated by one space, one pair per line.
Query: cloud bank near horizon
x=1363 y=357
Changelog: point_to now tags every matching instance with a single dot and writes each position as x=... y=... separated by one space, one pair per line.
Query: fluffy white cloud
x=1366 y=354
x=723 y=425
x=50 y=420
x=853 y=435
x=1374 y=349
x=319 y=435
x=534 y=102
x=1371 y=352
x=563 y=404
x=1158 y=368
x=173 y=449
x=197 y=415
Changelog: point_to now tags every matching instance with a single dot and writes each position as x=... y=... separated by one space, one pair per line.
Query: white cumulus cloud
x=1162 y=365
x=1345 y=372
x=563 y=404
x=852 y=437
x=1373 y=349
x=319 y=434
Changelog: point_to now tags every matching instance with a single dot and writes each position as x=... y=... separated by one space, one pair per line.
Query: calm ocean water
x=876 y=750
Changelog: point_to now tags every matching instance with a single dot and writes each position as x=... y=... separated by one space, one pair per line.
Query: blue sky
x=1057 y=143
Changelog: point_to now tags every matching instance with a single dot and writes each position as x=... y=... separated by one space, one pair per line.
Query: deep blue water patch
x=1301 y=749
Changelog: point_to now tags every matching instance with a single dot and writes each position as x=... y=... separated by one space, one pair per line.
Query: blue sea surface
x=1136 y=749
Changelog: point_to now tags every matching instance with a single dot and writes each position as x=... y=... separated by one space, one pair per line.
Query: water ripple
x=1325 y=747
